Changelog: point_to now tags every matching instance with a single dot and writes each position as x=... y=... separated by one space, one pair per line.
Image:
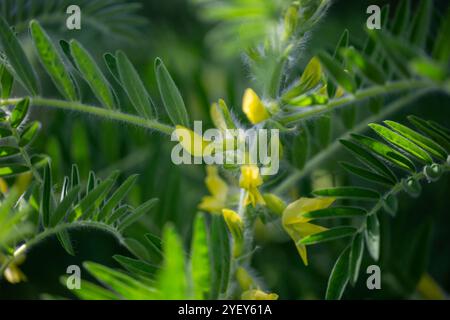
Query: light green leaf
x=368 y=69
x=52 y=62
x=64 y=206
x=425 y=127
x=134 y=87
x=328 y=235
x=29 y=133
x=7 y=151
x=19 y=112
x=339 y=277
x=90 y=291
x=171 y=280
x=171 y=96
x=401 y=142
x=385 y=152
x=20 y=65
x=7 y=170
x=200 y=260
x=372 y=236
x=6 y=82
x=221 y=252
x=92 y=74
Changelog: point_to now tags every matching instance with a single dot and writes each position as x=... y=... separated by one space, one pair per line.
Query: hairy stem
x=96 y=111
x=332 y=148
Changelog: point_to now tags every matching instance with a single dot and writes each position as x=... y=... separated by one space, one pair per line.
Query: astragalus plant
x=318 y=108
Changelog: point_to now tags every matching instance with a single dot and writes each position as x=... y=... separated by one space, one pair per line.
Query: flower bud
x=253 y=107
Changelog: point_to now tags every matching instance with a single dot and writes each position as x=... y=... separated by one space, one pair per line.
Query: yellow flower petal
x=191 y=141
x=258 y=295
x=218 y=189
x=294 y=211
x=13 y=274
x=236 y=227
x=253 y=107
x=250 y=180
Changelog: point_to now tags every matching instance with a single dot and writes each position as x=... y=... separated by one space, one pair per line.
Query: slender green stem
x=40 y=237
x=329 y=151
x=96 y=111
x=358 y=96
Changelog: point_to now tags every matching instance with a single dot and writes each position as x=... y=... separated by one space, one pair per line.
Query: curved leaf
x=29 y=133
x=355 y=258
x=366 y=174
x=328 y=235
x=348 y=192
x=337 y=72
x=335 y=212
x=339 y=277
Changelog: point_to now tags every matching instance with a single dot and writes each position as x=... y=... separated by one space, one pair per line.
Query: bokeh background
x=206 y=70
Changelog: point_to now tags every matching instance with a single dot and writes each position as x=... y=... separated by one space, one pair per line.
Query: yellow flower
x=253 y=107
x=236 y=227
x=12 y=273
x=250 y=180
x=218 y=189
x=191 y=141
x=297 y=226
x=258 y=295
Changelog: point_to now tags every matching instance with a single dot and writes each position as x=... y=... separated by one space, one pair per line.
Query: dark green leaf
x=137 y=248
x=12 y=169
x=356 y=254
x=369 y=159
x=300 y=149
x=171 y=95
x=335 y=212
x=426 y=128
x=339 y=277
x=401 y=17
x=328 y=235
x=64 y=240
x=366 y=174
x=17 y=58
x=6 y=82
x=221 y=252
x=7 y=151
x=348 y=192
x=421 y=23
x=368 y=69
x=111 y=63
x=134 y=87
x=441 y=49
x=136 y=266
x=337 y=72
x=46 y=196
x=137 y=213
x=64 y=206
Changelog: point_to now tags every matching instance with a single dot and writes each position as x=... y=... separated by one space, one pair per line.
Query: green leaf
x=420 y=140
x=137 y=213
x=421 y=23
x=52 y=62
x=74 y=176
x=5 y=132
x=92 y=74
x=6 y=82
x=335 y=212
x=366 y=174
x=136 y=266
x=426 y=128
x=311 y=77
x=401 y=142
x=200 y=260
x=337 y=72
x=171 y=96
x=17 y=58
x=221 y=252
x=426 y=68
x=328 y=235
x=64 y=206
x=94 y=198
x=339 y=277
x=7 y=151
x=120 y=282
x=46 y=196
x=92 y=180
x=137 y=249
x=7 y=170
x=134 y=87
x=385 y=152
x=369 y=159
x=300 y=149
x=64 y=240
x=348 y=192
x=90 y=291
x=355 y=258
x=441 y=49
x=29 y=133
x=171 y=280
x=401 y=18
x=368 y=69
x=111 y=64
x=155 y=246
x=372 y=236
x=117 y=196
x=19 y=112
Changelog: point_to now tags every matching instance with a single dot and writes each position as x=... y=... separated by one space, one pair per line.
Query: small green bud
x=432 y=172
x=390 y=204
x=274 y=203
x=412 y=187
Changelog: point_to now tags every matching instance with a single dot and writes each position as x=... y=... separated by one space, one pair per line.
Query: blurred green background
x=176 y=33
